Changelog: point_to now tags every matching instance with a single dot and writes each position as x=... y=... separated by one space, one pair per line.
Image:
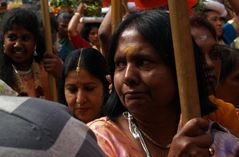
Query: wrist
x=77 y=14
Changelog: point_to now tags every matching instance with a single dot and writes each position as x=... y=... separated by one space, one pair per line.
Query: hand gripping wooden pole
x=48 y=42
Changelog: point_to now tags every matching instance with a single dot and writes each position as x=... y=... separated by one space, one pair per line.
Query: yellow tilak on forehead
x=128 y=49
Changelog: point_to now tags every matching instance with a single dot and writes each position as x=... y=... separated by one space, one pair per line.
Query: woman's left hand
x=192 y=140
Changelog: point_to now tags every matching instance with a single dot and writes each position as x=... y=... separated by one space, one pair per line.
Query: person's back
x=31 y=127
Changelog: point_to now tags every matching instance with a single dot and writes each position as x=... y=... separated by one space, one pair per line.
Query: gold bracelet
x=77 y=14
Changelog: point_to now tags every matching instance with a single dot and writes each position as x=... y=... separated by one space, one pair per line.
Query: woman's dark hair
x=230 y=57
x=21 y=17
x=154 y=26
x=87 y=28
x=206 y=105
x=28 y=20
x=92 y=61
x=65 y=15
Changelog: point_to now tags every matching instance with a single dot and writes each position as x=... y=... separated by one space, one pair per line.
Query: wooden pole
x=118 y=9
x=115 y=14
x=184 y=58
x=48 y=42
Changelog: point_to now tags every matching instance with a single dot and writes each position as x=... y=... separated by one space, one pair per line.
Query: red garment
x=148 y=4
x=78 y=42
x=106 y=3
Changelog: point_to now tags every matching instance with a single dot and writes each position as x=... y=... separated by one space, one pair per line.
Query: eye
x=12 y=37
x=120 y=64
x=214 y=55
x=143 y=62
x=89 y=88
x=26 y=38
x=71 y=88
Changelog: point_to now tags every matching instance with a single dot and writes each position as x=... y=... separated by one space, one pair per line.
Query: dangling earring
x=35 y=52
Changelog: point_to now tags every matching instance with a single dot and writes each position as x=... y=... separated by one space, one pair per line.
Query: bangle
x=77 y=14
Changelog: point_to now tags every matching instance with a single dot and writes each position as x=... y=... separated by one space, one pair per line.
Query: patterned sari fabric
x=115 y=143
x=35 y=84
x=6 y=90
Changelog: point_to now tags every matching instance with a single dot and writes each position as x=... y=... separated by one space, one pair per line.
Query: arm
x=105 y=33
x=75 y=26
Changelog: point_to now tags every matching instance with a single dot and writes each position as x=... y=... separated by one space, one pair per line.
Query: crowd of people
x=117 y=92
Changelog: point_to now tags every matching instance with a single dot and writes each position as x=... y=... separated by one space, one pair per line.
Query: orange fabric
x=226 y=115
x=29 y=83
x=44 y=82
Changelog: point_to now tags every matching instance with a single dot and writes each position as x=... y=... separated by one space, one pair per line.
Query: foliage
x=93 y=6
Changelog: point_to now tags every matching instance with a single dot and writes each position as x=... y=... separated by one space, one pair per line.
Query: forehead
x=132 y=43
x=94 y=29
x=202 y=36
x=18 y=29
x=212 y=13
x=83 y=76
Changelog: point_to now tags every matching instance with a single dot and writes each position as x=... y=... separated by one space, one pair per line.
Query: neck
x=23 y=66
x=157 y=139
x=160 y=127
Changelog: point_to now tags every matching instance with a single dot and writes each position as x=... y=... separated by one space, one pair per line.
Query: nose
x=131 y=76
x=17 y=43
x=209 y=62
x=80 y=97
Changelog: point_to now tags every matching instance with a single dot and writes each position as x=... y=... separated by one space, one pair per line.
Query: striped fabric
x=31 y=127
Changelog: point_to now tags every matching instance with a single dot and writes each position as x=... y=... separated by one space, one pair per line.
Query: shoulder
x=102 y=124
x=221 y=104
x=225 y=144
x=225 y=114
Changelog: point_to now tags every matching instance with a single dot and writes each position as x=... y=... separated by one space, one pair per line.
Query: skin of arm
x=105 y=33
x=75 y=26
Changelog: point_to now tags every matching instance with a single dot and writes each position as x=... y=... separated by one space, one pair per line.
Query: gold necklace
x=36 y=76
x=154 y=142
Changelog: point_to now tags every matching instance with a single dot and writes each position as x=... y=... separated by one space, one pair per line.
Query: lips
x=81 y=109
x=18 y=52
x=134 y=95
x=211 y=79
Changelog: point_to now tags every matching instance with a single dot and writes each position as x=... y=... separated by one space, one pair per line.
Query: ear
x=3 y=47
x=108 y=78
